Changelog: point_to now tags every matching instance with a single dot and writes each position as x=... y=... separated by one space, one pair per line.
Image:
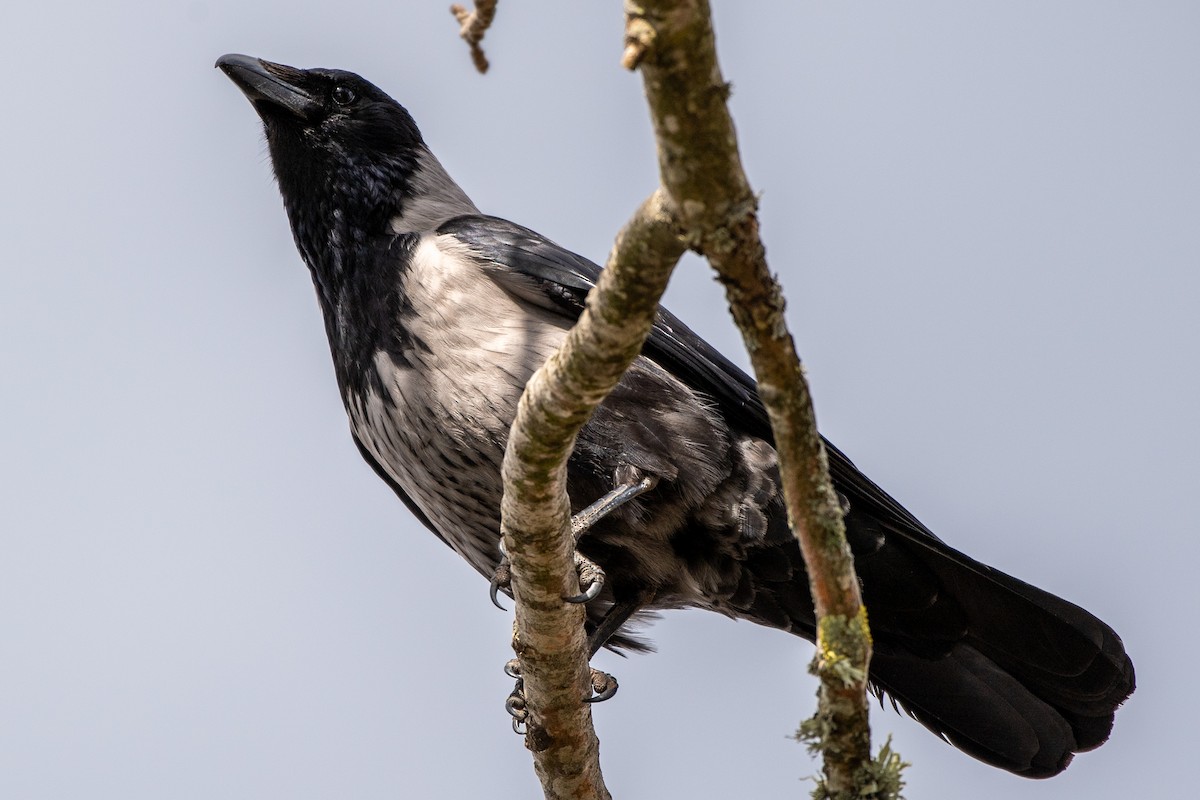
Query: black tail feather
x=1013 y=675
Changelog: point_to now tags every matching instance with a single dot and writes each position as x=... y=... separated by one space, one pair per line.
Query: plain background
x=985 y=216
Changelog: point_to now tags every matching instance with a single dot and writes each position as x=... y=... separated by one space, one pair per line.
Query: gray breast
x=440 y=421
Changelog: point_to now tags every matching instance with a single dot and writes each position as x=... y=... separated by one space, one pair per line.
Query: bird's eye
x=344 y=96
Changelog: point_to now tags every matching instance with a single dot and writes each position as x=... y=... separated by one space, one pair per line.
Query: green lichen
x=880 y=778
x=842 y=646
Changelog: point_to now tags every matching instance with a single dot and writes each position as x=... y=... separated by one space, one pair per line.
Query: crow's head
x=341 y=148
x=350 y=161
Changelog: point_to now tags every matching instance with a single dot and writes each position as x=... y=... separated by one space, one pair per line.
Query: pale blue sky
x=985 y=215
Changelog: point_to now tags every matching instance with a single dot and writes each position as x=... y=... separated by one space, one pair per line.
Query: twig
x=702 y=172
x=639 y=37
x=535 y=512
x=472 y=27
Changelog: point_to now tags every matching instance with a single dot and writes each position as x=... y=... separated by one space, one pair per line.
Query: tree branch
x=672 y=43
x=558 y=400
x=473 y=25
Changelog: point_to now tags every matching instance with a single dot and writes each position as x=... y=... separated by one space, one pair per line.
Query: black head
x=330 y=110
x=341 y=148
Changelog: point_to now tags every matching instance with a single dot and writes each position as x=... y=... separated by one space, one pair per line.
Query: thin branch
x=535 y=513
x=702 y=172
x=473 y=25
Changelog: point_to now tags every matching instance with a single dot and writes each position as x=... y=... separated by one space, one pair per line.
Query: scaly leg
x=591 y=576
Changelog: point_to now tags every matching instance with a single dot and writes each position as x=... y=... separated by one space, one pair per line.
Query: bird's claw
x=515 y=703
x=604 y=686
x=591 y=576
x=515 y=706
x=501 y=580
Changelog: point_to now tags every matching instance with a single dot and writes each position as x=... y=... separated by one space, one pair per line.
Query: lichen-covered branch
x=473 y=25
x=558 y=400
x=672 y=43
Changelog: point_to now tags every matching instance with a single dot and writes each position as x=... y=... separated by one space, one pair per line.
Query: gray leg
x=620 y=495
x=591 y=576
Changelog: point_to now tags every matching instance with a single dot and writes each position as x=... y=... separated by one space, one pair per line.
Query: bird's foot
x=501 y=581
x=604 y=686
x=515 y=702
x=591 y=579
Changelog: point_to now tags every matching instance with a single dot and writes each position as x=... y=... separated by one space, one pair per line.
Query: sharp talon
x=501 y=579
x=512 y=668
x=590 y=575
x=494 y=592
x=604 y=686
x=592 y=591
x=515 y=704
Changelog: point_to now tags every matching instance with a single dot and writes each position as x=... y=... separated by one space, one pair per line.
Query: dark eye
x=343 y=95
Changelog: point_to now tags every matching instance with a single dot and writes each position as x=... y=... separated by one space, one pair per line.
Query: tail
x=1004 y=671
x=1031 y=681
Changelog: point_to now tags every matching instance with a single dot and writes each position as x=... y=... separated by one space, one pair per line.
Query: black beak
x=270 y=84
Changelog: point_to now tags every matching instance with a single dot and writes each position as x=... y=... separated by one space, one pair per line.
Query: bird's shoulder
x=539 y=270
x=523 y=262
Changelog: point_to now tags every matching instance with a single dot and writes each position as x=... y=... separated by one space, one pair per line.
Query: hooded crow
x=437 y=315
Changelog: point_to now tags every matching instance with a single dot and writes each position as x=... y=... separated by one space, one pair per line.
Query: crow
x=437 y=315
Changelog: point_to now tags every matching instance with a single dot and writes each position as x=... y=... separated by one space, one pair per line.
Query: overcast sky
x=986 y=219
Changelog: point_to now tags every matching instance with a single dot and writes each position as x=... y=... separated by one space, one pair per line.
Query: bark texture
x=559 y=399
x=671 y=42
x=705 y=203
